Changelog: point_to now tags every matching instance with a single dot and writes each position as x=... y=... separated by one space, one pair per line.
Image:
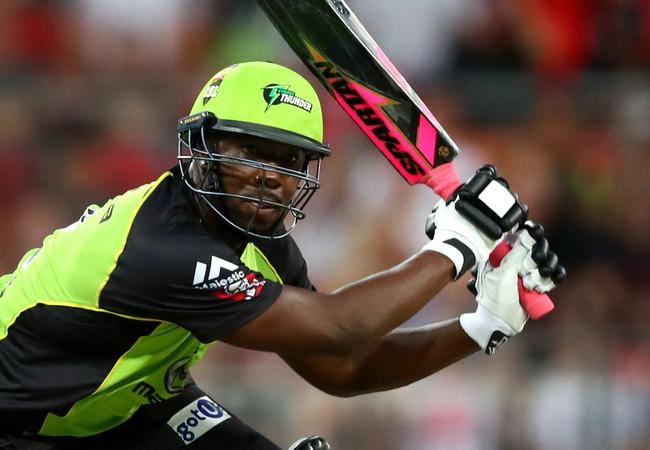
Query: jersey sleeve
x=172 y=270
x=199 y=285
x=300 y=277
x=285 y=255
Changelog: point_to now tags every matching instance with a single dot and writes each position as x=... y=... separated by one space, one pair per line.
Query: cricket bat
x=331 y=41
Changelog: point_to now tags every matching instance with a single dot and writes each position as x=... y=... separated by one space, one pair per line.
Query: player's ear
x=203 y=175
x=196 y=171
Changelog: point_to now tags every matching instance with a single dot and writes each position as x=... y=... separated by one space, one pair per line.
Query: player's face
x=254 y=182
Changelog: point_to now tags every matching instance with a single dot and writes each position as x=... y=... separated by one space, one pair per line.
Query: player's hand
x=499 y=314
x=471 y=223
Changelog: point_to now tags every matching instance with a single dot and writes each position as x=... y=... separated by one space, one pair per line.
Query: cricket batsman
x=100 y=326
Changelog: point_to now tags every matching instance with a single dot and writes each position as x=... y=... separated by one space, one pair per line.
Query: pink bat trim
x=427 y=137
x=444 y=180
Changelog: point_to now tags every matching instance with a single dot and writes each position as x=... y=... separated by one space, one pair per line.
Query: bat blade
x=338 y=50
x=331 y=41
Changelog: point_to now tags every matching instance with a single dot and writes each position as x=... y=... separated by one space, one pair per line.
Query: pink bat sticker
x=365 y=106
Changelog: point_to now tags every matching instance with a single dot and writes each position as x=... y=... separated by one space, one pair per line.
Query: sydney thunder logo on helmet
x=274 y=94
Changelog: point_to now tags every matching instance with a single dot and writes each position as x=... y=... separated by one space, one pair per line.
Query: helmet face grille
x=194 y=149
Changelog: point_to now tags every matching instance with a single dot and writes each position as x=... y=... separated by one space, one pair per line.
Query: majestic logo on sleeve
x=216 y=264
x=226 y=280
x=274 y=94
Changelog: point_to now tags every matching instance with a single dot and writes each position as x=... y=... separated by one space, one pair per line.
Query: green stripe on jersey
x=75 y=262
x=256 y=261
x=141 y=376
x=71 y=269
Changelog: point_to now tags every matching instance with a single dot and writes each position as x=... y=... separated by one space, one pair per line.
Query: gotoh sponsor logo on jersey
x=226 y=280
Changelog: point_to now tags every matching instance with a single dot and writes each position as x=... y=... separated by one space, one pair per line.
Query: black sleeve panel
x=171 y=269
x=285 y=255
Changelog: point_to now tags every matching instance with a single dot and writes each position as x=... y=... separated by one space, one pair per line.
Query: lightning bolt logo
x=273 y=92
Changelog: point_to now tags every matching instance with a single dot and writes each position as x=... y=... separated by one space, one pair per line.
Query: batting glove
x=499 y=315
x=468 y=227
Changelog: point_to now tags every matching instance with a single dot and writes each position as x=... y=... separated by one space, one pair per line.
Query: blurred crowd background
x=556 y=93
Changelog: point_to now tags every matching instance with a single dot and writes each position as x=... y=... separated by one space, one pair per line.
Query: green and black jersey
x=112 y=311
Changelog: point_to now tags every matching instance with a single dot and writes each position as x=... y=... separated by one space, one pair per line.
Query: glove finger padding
x=541 y=271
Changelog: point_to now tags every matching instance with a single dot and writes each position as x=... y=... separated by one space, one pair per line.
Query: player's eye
x=248 y=151
x=293 y=160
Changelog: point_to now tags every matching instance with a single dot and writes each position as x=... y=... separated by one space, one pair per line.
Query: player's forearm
x=408 y=355
x=370 y=308
x=398 y=359
x=304 y=322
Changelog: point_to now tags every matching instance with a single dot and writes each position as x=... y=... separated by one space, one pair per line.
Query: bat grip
x=444 y=180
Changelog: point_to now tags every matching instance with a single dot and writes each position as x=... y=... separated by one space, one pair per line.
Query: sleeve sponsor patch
x=197 y=418
x=227 y=281
x=245 y=289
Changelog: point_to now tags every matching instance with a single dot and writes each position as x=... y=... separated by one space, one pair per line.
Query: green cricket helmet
x=258 y=99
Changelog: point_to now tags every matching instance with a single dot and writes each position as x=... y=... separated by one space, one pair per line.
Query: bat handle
x=535 y=303
x=444 y=180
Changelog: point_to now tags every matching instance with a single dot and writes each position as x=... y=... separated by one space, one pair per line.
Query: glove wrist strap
x=460 y=254
x=487 y=330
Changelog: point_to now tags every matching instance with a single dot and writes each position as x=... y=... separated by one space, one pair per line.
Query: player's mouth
x=261 y=208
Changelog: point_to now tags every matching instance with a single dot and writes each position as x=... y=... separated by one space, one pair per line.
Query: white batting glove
x=499 y=314
x=468 y=228
x=458 y=239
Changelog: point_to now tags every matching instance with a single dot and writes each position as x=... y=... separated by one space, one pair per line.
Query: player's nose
x=268 y=179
